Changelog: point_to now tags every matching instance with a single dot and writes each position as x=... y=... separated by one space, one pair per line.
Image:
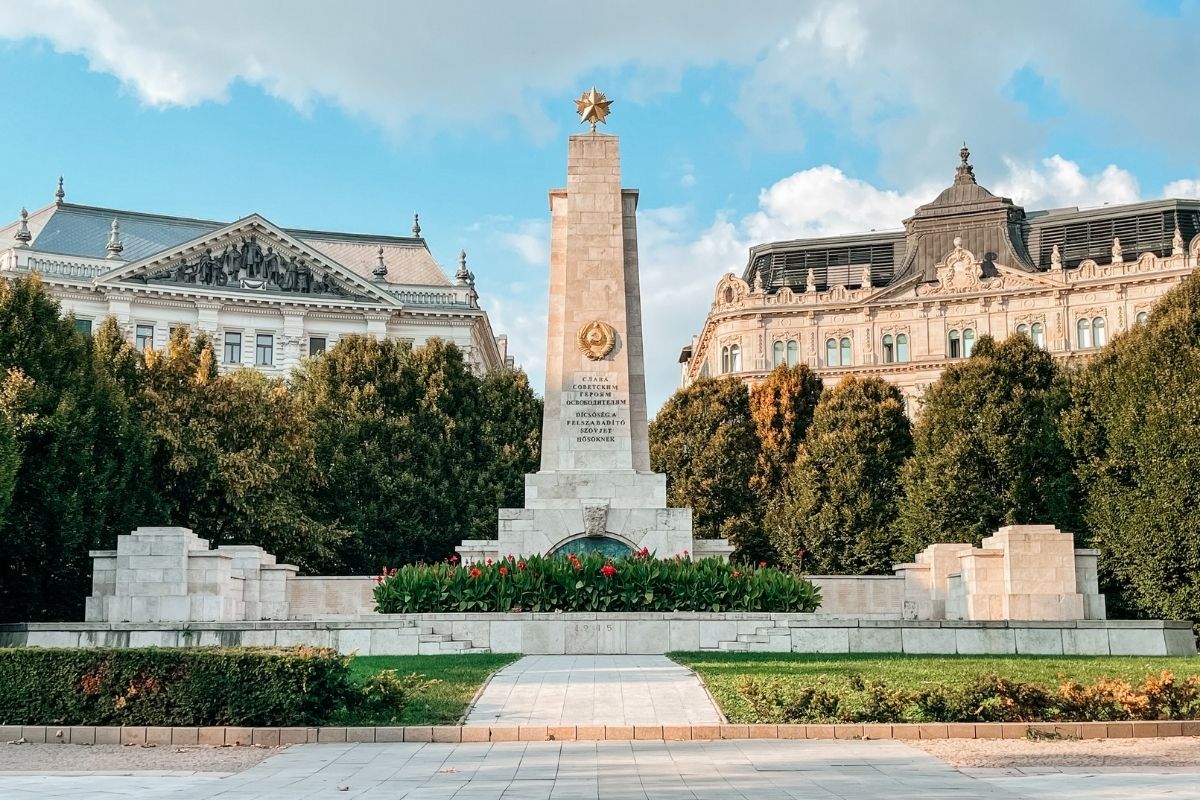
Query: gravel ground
x=1176 y=751
x=44 y=758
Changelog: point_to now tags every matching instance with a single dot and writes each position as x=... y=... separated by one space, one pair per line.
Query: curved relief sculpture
x=596 y=339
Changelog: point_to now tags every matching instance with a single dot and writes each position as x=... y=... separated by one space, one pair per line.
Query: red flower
x=608 y=570
x=475 y=573
x=489 y=562
x=737 y=574
x=453 y=559
x=520 y=565
x=685 y=552
x=509 y=557
x=504 y=570
x=762 y=563
x=378 y=579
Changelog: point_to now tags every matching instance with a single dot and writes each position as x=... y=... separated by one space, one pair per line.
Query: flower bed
x=592 y=582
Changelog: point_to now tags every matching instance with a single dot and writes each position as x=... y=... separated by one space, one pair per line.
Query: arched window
x=902 y=348
x=831 y=353
x=845 y=347
x=968 y=342
x=1098 y=332
x=889 y=349
x=793 y=353
x=1083 y=333
x=777 y=354
x=954 y=345
x=1142 y=318
x=724 y=360
x=1022 y=329
x=727 y=295
x=735 y=358
x=1039 y=334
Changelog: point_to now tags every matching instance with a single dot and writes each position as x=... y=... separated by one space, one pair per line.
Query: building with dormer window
x=903 y=305
x=267 y=296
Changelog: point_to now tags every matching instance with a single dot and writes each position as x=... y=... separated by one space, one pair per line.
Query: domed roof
x=964 y=191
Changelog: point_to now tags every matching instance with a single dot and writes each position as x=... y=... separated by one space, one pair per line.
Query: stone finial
x=23 y=236
x=965 y=173
x=380 y=270
x=810 y=285
x=416 y=225
x=1177 y=242
x=1117 y=251
x=1056 y=261
x=463 y=275
x=59 y=195
x=114 y=240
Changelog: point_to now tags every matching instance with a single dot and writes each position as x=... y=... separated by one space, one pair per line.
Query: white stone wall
x=651 y=633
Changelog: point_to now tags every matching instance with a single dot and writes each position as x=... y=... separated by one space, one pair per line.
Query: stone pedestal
x=595 y=489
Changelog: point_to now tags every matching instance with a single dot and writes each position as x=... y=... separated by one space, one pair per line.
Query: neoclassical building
x=268 y=296
x=903 y=305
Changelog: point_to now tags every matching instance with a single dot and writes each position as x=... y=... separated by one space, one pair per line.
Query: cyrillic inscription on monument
x=597 y=410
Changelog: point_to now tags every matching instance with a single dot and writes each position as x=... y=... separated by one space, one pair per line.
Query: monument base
x=614 y=511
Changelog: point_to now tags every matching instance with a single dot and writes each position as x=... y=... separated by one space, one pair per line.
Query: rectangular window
x=264 y=351
x=233 y=348
x=316 y=345
x=143 y=337
x=84 y=326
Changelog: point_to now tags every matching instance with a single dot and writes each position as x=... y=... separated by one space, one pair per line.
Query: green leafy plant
x=386 y=694
x=592 y=582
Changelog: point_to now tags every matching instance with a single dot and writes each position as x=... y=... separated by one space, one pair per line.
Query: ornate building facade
x=267 y=296
x=904 y=305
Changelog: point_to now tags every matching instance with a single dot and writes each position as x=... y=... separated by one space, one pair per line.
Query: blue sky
x=738 y=125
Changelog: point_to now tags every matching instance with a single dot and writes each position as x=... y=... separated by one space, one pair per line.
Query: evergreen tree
x=703 y=439
x=416 y=451
x=988 y=450
x=1134 y=428
x=839 y=511
x=63 y=468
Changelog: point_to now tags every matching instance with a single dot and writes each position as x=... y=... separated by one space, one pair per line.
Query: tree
x=703 y=439
x=68 y=457
x=233 y=455
x=840 y=507
x=412 y=460
x=510 y=438
x=781 y=408
x=1134 y=429
x=988 y=450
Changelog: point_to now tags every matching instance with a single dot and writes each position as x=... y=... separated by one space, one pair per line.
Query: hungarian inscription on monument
x=595 y=489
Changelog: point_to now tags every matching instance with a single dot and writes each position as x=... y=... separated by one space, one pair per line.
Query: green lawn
x=722 y=672
x=443 y=704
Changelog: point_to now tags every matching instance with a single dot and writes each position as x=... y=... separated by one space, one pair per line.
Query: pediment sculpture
x=961 y=271
x=245 y=264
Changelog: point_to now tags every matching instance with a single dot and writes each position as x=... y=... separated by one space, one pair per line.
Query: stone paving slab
x=720 y=770
x=594 y=690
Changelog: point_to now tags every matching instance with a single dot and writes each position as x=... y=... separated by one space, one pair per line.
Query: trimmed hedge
x=150 y=686
x=990 y=698
x=592 y=582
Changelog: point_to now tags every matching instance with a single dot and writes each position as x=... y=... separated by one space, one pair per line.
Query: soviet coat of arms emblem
x=596 y=339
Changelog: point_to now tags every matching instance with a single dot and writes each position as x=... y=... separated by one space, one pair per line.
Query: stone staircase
x=430 y=643
x=765 y=639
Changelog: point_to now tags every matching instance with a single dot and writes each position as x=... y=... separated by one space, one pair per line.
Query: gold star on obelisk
x=592 y=107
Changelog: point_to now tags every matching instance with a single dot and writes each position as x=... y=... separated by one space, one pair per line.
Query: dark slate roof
x=83 y=231
x=992 y=227
x=76 y=230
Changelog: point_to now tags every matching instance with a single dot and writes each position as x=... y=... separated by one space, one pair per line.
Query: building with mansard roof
x=267 y=296
x=905 y=304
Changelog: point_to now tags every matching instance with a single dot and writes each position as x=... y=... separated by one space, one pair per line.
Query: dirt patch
x=45 y=758
x=1175 y=751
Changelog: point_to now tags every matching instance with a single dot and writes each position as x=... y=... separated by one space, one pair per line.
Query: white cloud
x=1182 y=188
x=1060 y=182
x=530 y=240
x=911 y=78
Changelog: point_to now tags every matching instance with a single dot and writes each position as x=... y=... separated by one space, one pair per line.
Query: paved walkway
x=594 y=690
x=720 y=770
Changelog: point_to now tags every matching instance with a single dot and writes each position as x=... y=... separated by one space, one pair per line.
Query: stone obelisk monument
x=595 y=490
